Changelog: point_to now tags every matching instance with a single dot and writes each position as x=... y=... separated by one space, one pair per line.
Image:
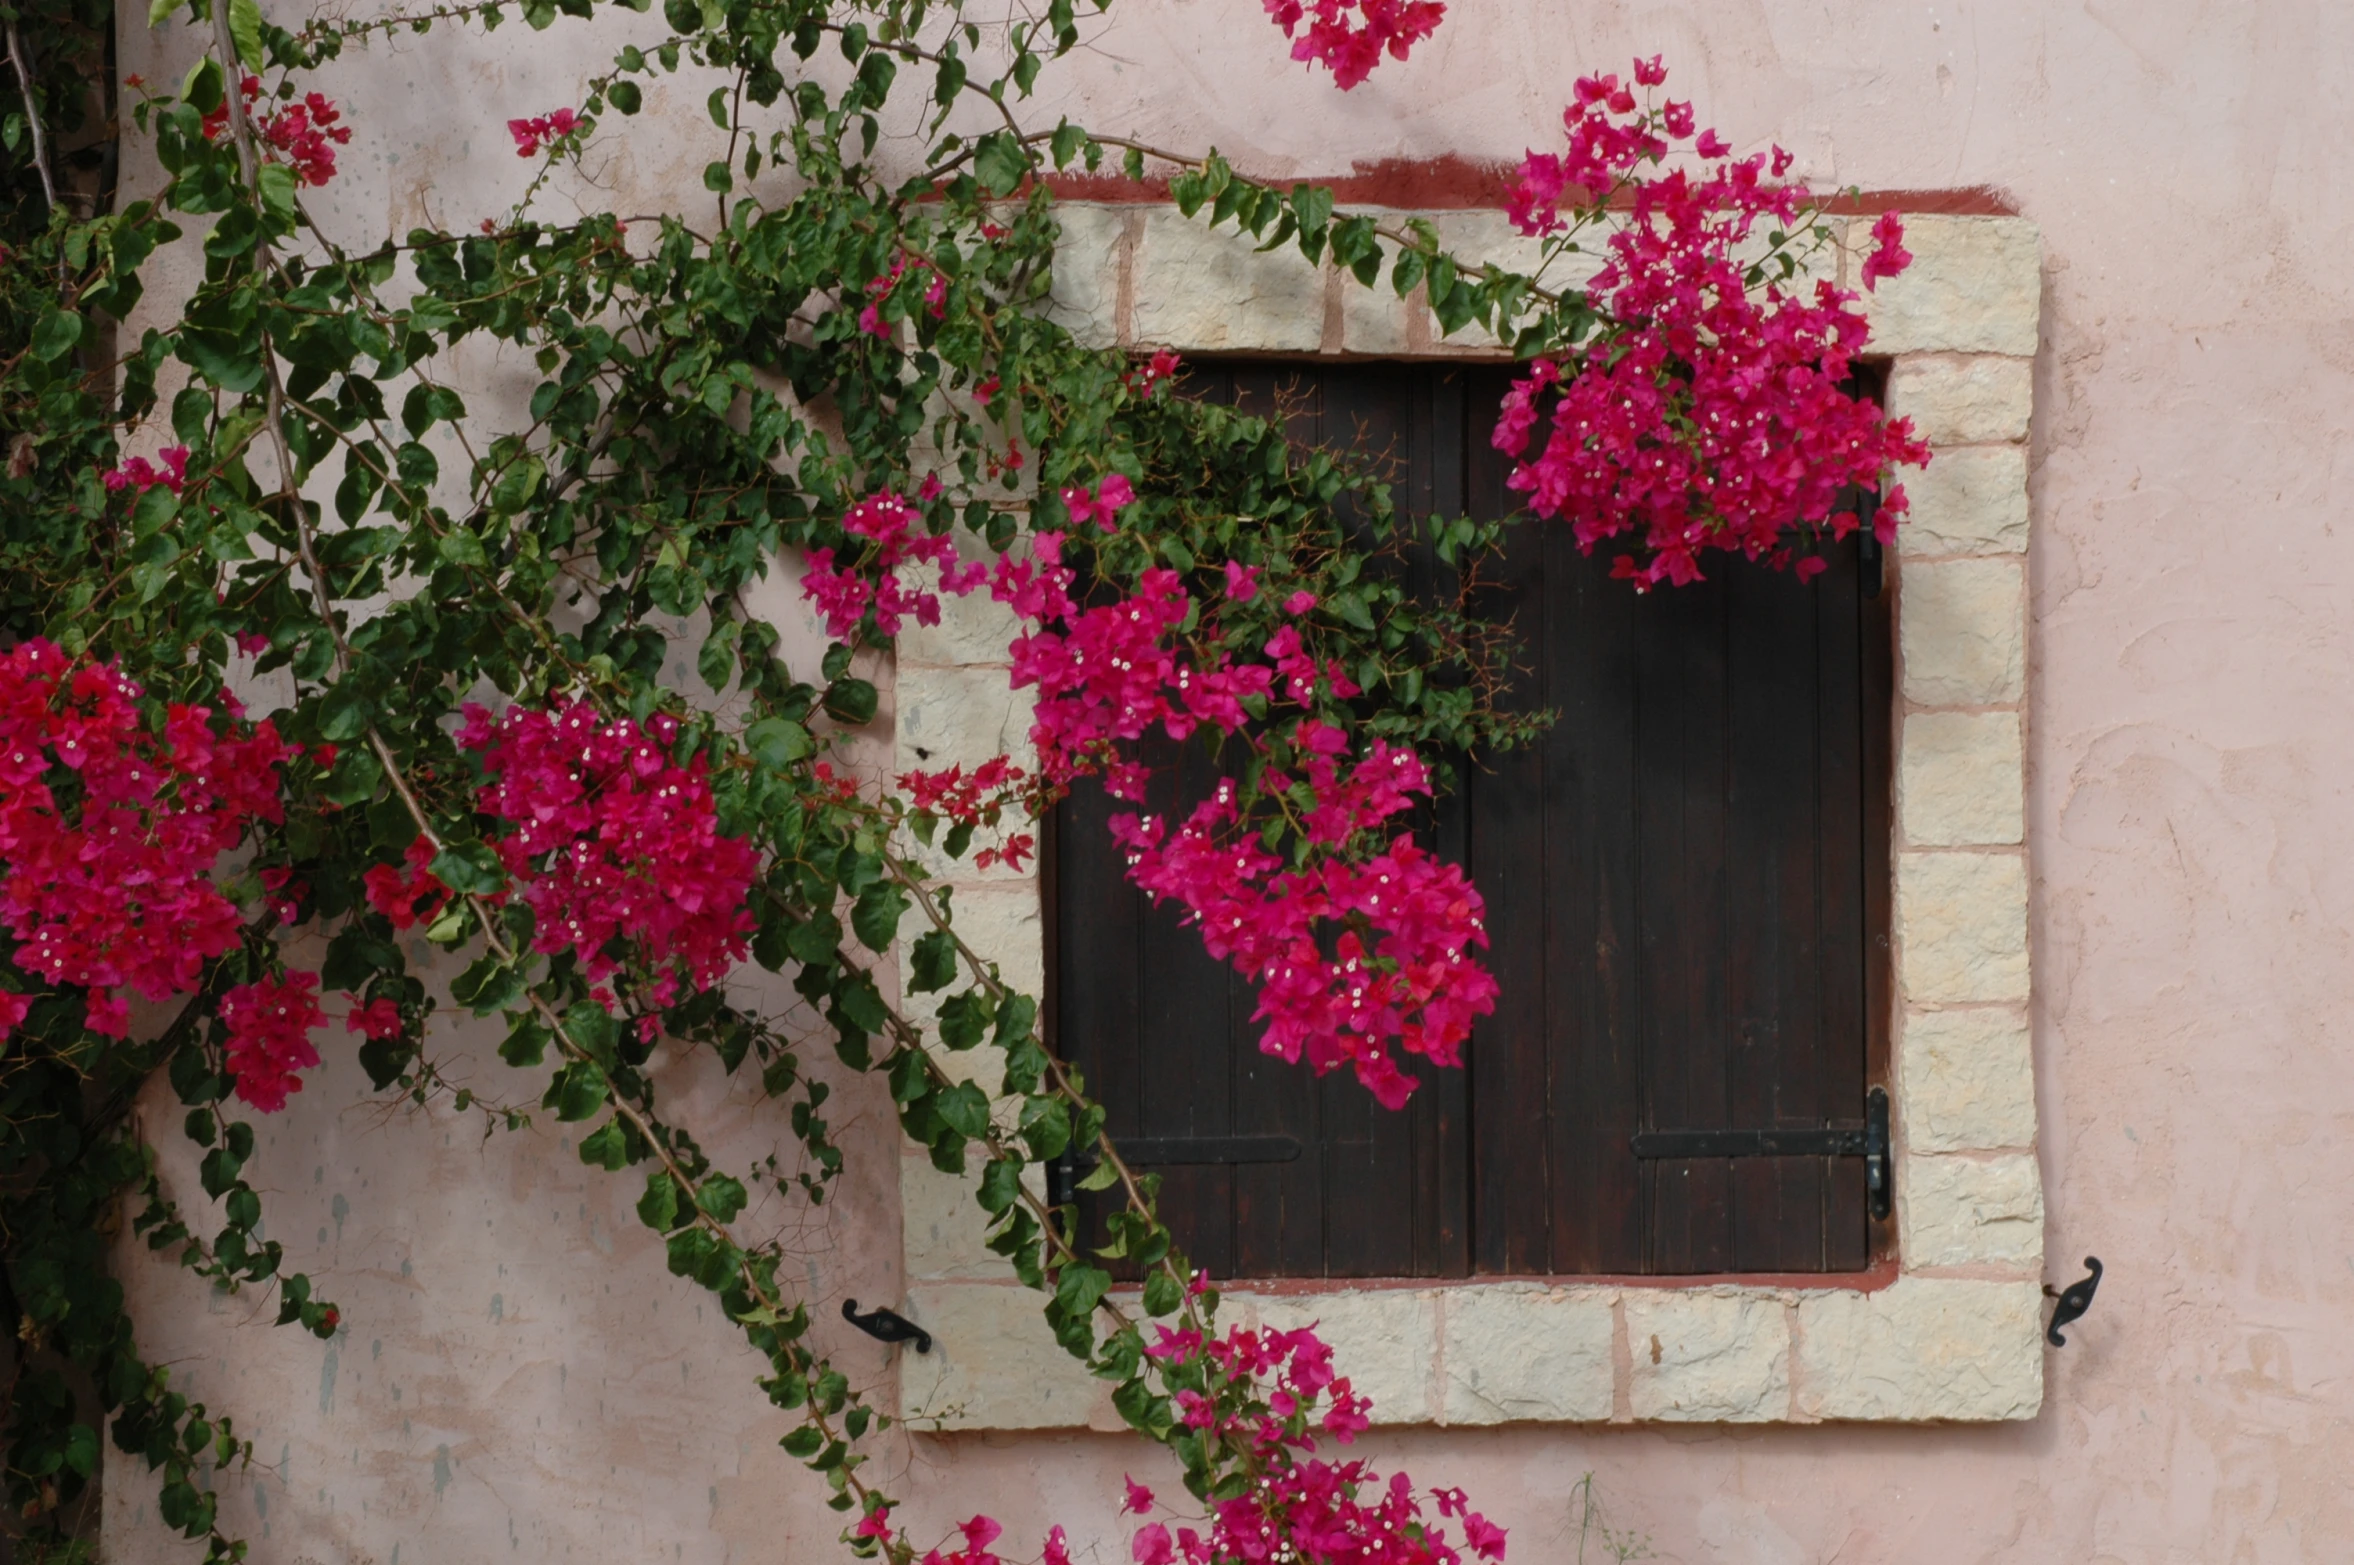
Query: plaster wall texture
x=542 y=1391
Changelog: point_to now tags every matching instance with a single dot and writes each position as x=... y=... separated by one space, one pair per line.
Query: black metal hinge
x=1868 y=1141
x=1065 y=1172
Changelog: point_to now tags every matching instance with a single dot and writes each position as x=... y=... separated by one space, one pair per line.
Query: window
x=1687 y=885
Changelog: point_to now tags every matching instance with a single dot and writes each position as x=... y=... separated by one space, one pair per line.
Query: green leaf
x=55 y=334
x=961 y=1020
x=471 y=868
x=720 y=1197
x=1162 y=1296
x=577 y=1092
x=625 y=97
x=1001 y=1185
x=931 y=962
x=606 y=1147
x=778 y=743
x=276 y=182
x=718 y=178
x=245 y=26
x=592 y=1028
x=874 y=918
x=965 y=1109
x=489 y=985
x=658 y=1207
x=851 y=701
x=158 y=11
x=1000 y=163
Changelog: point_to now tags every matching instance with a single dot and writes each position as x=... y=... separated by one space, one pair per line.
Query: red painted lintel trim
x=1452 y=183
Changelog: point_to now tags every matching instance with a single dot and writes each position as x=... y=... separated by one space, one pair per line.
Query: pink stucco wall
x=520 y=1381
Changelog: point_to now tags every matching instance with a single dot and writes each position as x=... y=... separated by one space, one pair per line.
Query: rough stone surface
x=974 y=629
x=1516 y=1352
x=1087 y=261
x=1003 y=922
x=1922 y=1348
x=1375 y=320
x=1960 y=782
x=1975 y=286
x=1964 y=400
x=1967 y=1211
x=942 y=1225
x=1718 y=1356
x=1204 y=290
x=1963 y=628
x=1968 y=500
x=960 y=716
x=1966 y=1080
x=1961 y=921
x=1387 y=1338
x=1476 y=238
x=994 y=1364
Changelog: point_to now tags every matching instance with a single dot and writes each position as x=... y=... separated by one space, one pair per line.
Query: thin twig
x=24 y=84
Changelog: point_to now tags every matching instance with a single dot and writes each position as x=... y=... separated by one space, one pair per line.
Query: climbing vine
x=468 y=609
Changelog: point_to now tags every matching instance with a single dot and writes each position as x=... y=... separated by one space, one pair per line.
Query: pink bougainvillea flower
x=1242 y=581
x=1152 y=1546
x=1299 y=602
x=542 y=130
x=1348 y=37
x=269 y=1024
x=1889 y=256
x=107 y=878
x=137 y=473
x=378 y=1019
x=1137 y=1499
x=612 y=843
x=1707 y=413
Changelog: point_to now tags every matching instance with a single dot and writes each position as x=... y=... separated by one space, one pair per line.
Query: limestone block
x=1963 y=400
x=1087 y=262
x=1960 y=782
x=1975 y=286
x=1963 y=625
x=1480 y=238
x=1964 y=1211
x=1517 y=1352
x=1719 y=1356
x=1200 y=289
x=1922 y=1348
x=974 y=629
x=994 y=1364
x=1384 y=1339
x=1966 y=1080
x=1961 y=921
x=960 y=716
x=942 y=1225
x=1968 y=500
x=1003 y=923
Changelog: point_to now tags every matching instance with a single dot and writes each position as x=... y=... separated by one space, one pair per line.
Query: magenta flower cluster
x=615 y=848
x=114 y=891
x=1348 y=37
x=1712 y=412
x=1269 y=1395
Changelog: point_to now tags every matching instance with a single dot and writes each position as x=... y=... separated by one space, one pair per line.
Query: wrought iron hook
x=887 y=1326
x=2075 y=1299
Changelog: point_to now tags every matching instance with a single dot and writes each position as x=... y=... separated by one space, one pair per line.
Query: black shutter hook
x=887 y=1326
x=2074 y=1299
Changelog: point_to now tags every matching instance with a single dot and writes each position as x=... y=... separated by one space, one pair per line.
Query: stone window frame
x=1950 y=1329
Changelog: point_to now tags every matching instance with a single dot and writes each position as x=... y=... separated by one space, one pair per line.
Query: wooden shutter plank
x=1774 y=1046
x=1681 y=695
x=1592 y=865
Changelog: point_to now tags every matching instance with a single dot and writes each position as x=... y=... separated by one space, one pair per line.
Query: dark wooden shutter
x=1686 y=884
